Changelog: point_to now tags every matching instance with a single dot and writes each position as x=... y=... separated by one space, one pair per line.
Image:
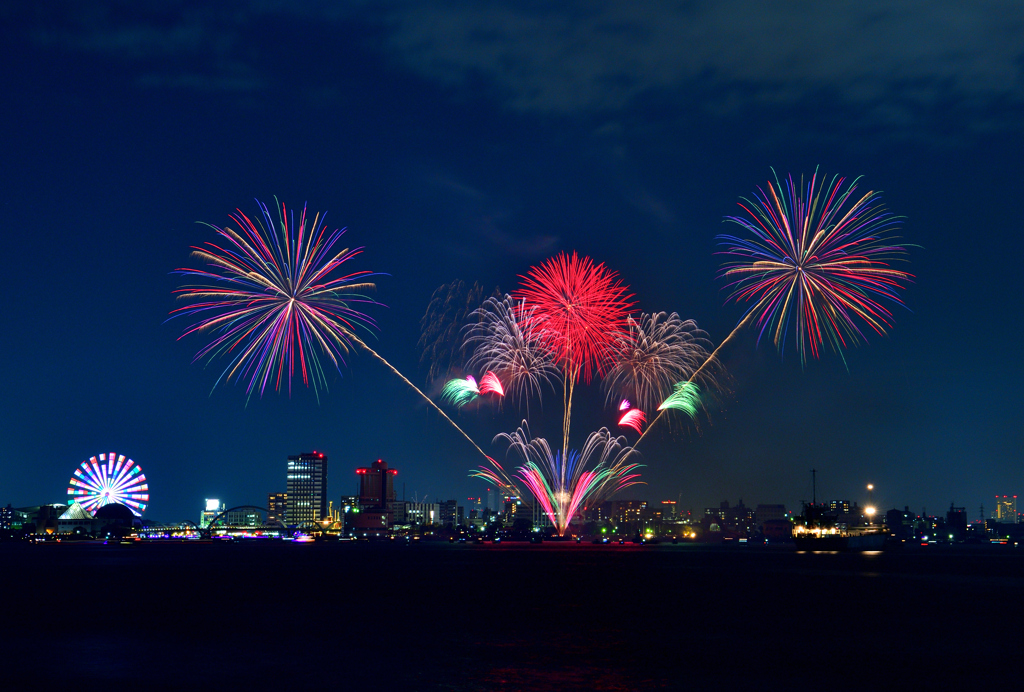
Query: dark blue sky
x=471 y=141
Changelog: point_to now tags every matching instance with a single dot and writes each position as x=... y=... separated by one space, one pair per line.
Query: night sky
x=472 y=141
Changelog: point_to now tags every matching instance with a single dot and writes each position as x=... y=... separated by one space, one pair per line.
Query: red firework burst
x=579 y=308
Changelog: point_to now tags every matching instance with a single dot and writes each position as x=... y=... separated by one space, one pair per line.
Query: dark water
x=507 y=617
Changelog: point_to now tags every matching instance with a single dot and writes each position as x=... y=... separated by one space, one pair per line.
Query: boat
x=848 y=542
x=818 y=530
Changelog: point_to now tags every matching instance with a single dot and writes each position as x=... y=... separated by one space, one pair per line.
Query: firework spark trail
x=497 y=476
x=710 y=359
x=416 y=389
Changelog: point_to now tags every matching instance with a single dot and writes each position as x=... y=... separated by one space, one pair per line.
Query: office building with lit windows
x=277 y=503
x=306 y=489
x=1006 y=509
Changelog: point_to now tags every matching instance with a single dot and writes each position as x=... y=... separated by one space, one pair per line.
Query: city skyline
x=460 y=144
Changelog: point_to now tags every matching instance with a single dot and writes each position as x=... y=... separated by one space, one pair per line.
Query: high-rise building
x=376 y=495
x=1006 y=509
x=450 y=513
x=306 y=489
x=277 y=505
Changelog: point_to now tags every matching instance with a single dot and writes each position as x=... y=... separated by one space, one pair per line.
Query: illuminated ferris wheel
x=107 y=479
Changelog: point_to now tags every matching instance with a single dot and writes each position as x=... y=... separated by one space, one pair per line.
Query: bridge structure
x=219 y=527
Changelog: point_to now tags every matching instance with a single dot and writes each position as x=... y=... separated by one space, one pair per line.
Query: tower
x=376 y=496
x=306 y=488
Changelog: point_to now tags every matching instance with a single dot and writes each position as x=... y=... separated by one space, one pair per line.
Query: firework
x=273 y=299
x=270 y=301
x=497 y=476
x=579 y=308
x=449 y=309
x=461 y=392
x=564 y=485
x=818 y=260
x=490 y=383
x=633 y=418
x=656 y=351
x=685 y=398
x=503 y=339
x=624 y=405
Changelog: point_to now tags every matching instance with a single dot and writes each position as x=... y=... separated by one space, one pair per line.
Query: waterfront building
x=450 y=514
x=244 y=516
x=376 y=496
x=738 y=519
x=956 y=522
x=277 y=504
x=76 y=519
x=901 y=524
x=763 y=513
x=406 y=513
x=213 y=508
x=6 y=517
x=38 y=519
x=398 y=511
x=306 y=489
x=511 y=510
x=423 y=513
x=840 y=507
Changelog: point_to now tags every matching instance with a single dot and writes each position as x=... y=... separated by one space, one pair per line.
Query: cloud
x=889 y=60
x=603 y=56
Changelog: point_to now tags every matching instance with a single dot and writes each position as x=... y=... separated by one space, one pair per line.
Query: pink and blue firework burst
x=817 y=259
x=275 y=299
x=563 y=486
